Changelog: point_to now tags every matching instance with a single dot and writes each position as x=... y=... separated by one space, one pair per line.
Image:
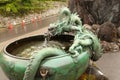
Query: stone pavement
x=110 y=65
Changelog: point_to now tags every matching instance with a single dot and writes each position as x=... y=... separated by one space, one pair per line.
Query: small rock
x=87 y=26
x=106 y=46
x=118 y=30
x=107 y=32
x=118 y=42
x=114 y=47
x=96 y=27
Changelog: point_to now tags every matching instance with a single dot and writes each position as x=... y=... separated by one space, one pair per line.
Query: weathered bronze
x=84 y=40
x=57 y=55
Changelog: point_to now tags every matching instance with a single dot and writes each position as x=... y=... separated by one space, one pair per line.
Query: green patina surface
x=65 y=65
x=83 y=40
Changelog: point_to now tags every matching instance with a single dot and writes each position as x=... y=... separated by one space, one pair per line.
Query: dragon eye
x=76 y=22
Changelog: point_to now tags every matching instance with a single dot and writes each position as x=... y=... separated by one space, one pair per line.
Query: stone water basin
x=52 y=56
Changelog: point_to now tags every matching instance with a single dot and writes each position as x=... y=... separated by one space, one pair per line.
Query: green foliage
x=11 y=8
x=22 y=7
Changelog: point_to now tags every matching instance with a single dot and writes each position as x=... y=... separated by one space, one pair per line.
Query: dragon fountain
x=62 y=53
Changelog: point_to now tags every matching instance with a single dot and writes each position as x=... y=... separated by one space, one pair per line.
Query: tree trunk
x=97 y=11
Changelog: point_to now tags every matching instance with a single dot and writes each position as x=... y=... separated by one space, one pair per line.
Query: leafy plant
x=22 y=7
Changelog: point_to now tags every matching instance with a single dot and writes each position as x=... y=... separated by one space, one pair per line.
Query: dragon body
x=83 y=39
